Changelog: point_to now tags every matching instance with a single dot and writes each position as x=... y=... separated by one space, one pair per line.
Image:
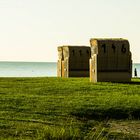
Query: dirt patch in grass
x=127 y=128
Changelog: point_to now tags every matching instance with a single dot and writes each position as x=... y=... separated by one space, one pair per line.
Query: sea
x=37 y=69
x=28 y=69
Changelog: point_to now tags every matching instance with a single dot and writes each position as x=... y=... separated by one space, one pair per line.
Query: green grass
x=68 y=108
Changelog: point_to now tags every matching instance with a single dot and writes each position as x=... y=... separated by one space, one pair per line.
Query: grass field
x=73 y=108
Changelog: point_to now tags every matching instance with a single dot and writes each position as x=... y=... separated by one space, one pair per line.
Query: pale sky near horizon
x=31 y=30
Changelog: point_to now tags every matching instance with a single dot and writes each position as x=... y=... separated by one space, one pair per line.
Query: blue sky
x=31 y=30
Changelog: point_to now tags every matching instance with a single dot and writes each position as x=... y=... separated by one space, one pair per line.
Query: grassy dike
x=73 y=108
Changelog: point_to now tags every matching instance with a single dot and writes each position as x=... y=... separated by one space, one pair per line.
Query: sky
x=31 y=30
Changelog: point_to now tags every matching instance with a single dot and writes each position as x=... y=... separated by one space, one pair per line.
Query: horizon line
x=44 y=61
x=32 y=61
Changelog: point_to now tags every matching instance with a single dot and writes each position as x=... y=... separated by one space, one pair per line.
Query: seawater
x=36 y=69
x=137 y=66
x=28 y=69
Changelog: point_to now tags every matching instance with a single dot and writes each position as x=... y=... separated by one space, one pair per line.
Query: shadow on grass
x=112 y=113
x=130 y=83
